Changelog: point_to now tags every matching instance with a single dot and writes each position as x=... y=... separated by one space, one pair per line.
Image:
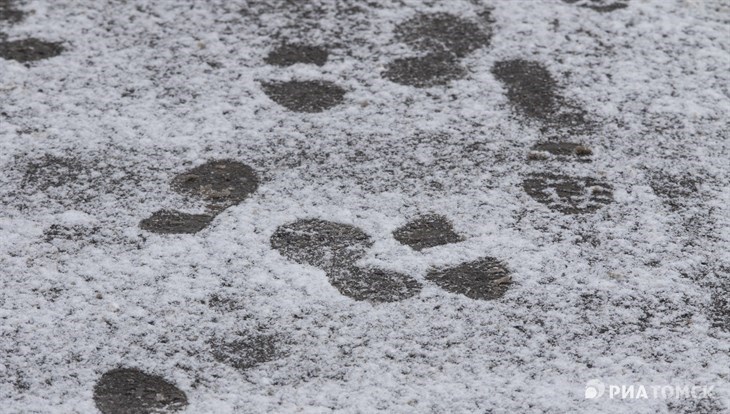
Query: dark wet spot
x=568 y=195
x=675 y=189
x=9 y=13
x=424 y=71
x=560 y=150
x=305 y=96
x=442 y=33
x=608 y=8
x=51 y=171
x=530 y=86
x=374 y=285
x=334 y=248
x=485 y=279
x=222 y=182
x=602 y=6
x=321 y=243
x=246 y=351
x=175 y=222
x=290 y=54
x=29 y=50
x=427 y=231
x=533 y=92
x=128 y=390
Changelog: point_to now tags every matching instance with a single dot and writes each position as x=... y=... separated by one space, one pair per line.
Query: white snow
x=134 y=97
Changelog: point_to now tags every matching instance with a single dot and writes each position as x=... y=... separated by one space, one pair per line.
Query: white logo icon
x=594 y=389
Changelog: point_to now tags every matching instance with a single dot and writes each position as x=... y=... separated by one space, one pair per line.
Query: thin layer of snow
x=147 y=90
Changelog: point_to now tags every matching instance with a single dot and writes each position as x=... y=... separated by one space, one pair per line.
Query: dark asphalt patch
x=129 y=390
x=29 y=50
x=601 y=6
x=290 y=54
x=424 y=71
x=534 y=93
x=442 y=33
x=427 y=231
x=175 y=222
x=223 y=183
x=320 y=243
x=374 y=285
x=568 y=195
x=9 y=13
x=334 y=248
x=305 y=96
x=483 y=279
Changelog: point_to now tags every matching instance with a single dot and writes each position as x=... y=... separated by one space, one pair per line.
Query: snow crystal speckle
x=574 y=151
x=29 y=50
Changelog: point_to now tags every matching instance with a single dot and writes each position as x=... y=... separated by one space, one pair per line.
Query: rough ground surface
x=126 y=391
x=217 y=206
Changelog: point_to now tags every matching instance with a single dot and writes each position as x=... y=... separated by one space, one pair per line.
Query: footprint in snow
x=23 y=50
x=221 y=184
x=443 y=39
x=308 y=96
x=534 y=94
x=129 y=390
x=336 y=248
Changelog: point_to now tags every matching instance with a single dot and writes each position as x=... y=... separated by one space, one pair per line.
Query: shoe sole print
x=335 y=247
x=442 y=39
x=534 y=94
x=220 y=183
x=23 y=50
x=307 y=96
